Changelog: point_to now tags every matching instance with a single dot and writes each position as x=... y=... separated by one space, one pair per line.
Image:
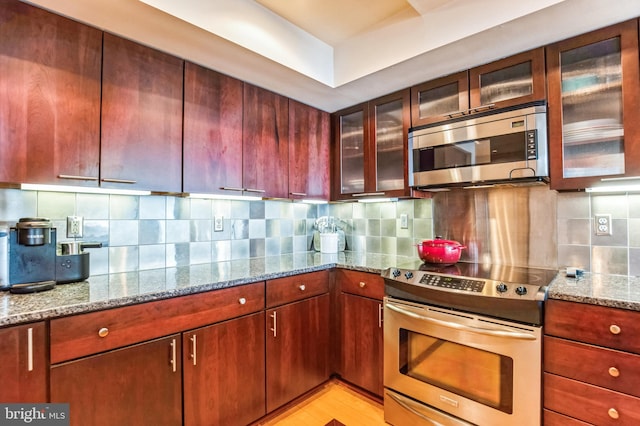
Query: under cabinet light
x=312 y=201
x=81 y=189
x=225 y=197
x=614 y=188
x=376 y=200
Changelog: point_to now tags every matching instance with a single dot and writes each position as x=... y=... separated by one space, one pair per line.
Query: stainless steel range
x=463 y=344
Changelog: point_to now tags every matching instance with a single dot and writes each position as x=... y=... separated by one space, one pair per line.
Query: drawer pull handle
x=613 y=413
x=614 y=329
x=103 y=332
x=242 y=300
x=362 y=284
x=194 y=349
x=302 y=287
x=614 y=372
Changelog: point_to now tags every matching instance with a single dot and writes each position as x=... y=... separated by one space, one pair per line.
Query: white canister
x=329 y=243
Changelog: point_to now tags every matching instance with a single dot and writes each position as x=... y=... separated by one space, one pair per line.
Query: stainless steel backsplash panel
x=501 y=225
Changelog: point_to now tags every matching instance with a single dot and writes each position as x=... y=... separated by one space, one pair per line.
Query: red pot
x=440 y=251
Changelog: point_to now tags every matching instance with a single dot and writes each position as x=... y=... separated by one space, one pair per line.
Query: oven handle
x=412 y=410
x=479 y=330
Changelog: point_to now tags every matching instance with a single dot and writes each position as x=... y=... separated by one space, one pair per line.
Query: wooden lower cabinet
x=136 y=385
x=362 y=342
x=297 y=349
x=23 y=370
x=224 y=372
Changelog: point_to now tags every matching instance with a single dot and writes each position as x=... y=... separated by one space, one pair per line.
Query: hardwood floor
x=335 y=401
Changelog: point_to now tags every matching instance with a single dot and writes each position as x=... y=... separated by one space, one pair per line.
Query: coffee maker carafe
x=32 y=254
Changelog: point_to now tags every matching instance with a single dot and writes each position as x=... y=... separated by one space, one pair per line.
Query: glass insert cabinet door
x=390 y=147
x=594 y=107
x=352 y=146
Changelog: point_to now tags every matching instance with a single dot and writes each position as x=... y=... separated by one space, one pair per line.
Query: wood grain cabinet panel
x=23 y=371
x=360 y=283
x=265 y=148
x=142 y=90
x=49 y=97
x=212 y=132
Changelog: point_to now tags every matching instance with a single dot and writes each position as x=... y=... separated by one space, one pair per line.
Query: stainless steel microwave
x=497 y=147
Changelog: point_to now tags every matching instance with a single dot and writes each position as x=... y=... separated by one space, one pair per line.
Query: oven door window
x=479 y=375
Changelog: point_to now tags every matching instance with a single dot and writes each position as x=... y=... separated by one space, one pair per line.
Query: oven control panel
x=454 y=283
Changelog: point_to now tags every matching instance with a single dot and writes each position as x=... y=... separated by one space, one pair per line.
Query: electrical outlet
x=404 y=221
x=218 y=223
x=74 y=226
x=603 y=224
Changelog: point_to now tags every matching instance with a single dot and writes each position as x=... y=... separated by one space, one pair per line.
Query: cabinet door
x=297 y=349
x=23 y=371
x=511 y=81
x=439 y=99
x=141 y=117
x=212 y=132
x=361 y=342
x=390 y=118
x=49 y=97
x=594 y=99
x=351 y=136
x=309 y=138
x=138 y=385
x=266 y=143
x=224 y=372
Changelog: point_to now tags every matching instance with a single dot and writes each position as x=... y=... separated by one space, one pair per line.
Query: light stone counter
x=615 y=291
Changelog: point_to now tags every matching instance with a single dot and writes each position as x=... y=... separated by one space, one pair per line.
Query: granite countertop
x=121 y=289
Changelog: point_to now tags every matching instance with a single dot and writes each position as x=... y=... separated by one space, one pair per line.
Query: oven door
x=481 y=370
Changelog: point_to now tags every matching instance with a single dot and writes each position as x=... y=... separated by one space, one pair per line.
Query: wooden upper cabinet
x=515 y=80
x=309 y=140
x=212 y=132
x=49 y=97
x=141 y=117
x=594 y=104
x=265 y=147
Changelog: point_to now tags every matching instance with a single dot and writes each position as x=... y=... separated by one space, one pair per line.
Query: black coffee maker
x=32 y=255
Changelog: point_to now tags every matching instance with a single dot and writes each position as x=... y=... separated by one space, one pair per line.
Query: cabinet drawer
x=551 y=418
x=590 y=403
x=297 y=287
x=361 y=283
x=80 y=335
x=619 y=371
x=609 y=327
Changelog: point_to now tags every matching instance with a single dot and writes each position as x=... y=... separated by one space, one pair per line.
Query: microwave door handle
x=462 y=327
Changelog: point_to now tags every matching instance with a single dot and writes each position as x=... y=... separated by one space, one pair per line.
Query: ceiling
x=336 y=53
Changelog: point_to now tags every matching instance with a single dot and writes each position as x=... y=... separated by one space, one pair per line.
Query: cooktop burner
x=505 y=292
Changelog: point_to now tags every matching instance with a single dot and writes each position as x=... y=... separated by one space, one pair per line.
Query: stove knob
x=502 y=287
x=521 y=290
x=408 y=275
x=396 y=273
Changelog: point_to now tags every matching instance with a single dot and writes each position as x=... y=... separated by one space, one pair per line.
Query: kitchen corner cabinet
x=371 y=148
x=137 y=385
x=224 y=372
x=142 y=91
x=594 y=99
x=514 y=80
x=361 y=339
x=309 y=154
x=297 y=336
x=212 y=132
x=591 y=365
x=23 y=371
x=265 y=147
x=49 y=97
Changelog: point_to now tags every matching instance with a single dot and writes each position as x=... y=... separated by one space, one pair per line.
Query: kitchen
x=143 y=234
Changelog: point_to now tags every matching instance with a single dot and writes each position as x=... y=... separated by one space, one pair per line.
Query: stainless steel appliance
x=494 y=147
x=463 y=344
x=72 y=262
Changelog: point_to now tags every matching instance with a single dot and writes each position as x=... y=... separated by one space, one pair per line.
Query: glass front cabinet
x=371 y=148
x=594 y=107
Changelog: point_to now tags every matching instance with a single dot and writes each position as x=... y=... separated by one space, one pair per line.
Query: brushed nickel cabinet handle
x=302 y=287
x=103 y=332
x=30 y=349
x=231 y=188
x=274 y=329
x=173 y=362
x=255 y=190
x=194 y=349
x=127 y=181
x=614 y=372
x=298 y=194
x=614 y=329
x=74 y=177
x=613 y=413
x=242 y=300
x=362 y=284
x=380 y=315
